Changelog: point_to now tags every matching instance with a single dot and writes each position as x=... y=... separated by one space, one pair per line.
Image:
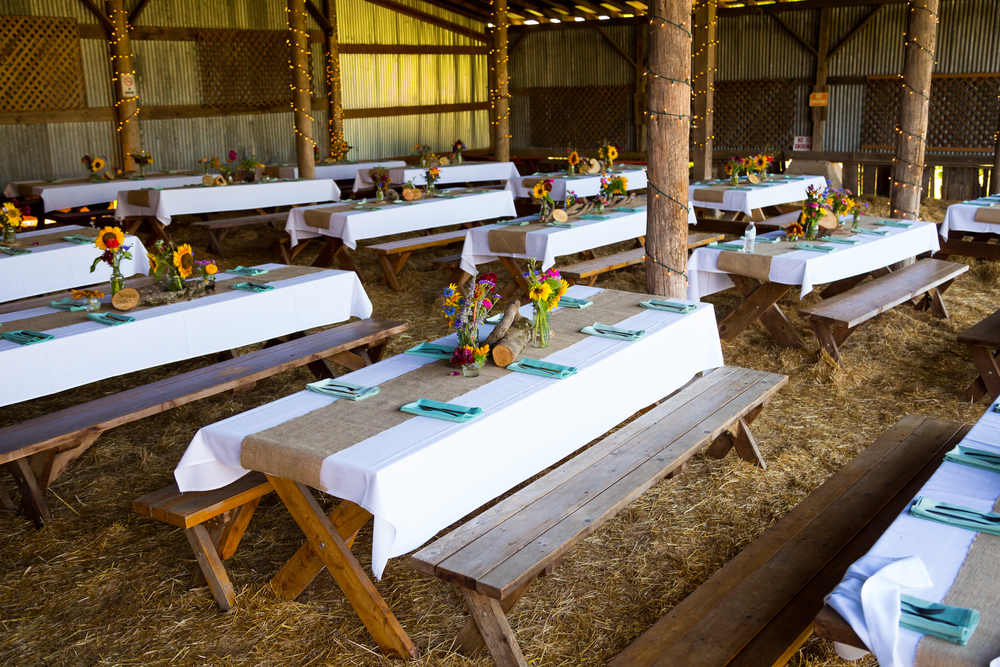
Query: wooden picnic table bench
x=393 y=255
x=983 y=340
x=586 y=272
x=759 y=609
x=53 y=441
x=218 y=229
x=495 y=557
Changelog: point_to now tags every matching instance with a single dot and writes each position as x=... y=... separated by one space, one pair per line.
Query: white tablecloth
x=425 y=474
x=88 y=352
x=177 y=201
x=808 y=268
x=339 y=171
x=467 y=172
x=56 y=195
x=353 y=226
x=940 y=547
x=61 y=266
x=583 y=185
x=962 y=218
x=757 y=197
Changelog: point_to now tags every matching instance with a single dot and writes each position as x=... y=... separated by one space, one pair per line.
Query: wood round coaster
x=125 y=299
x=559 y=215
x=753 y=178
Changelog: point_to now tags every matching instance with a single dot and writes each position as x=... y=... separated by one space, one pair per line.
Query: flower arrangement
x=465 y=314
x=813 y=208
x=209 y=163
x=381 y=179
x=111 y=242
x=426 y=156
x=571 y=198
x=207 y=268
x=760 y=163
x=858 y=210
x=457 y=149
x=794 y=231
x=542 y=192
x=93 y=166
x=614 y=185
x=432 y=176
x=11 y=219
x=114 y=174
x=545 y=289
x=574 y=160
x=173 y=264
x=839 y=201
x=734 y=167
x=143 y=159
x=227 y=168
x=607 y=154
x=91 y=298
x=338 y=151
x=249 y=165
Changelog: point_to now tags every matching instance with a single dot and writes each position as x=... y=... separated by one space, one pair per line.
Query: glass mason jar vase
x=9 y=234
x=117 y=280
x=734 y=179
x=540 y=329
x=472 y=370
x=379 y=193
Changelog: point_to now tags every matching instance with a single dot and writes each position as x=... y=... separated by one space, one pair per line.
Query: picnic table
x=338 y=171
x=583 y=185
x=75 y=192
x=418 y=475
x=748 y=200
x=969 y=226
x=56 y=264
x=84 y=351
x=467 y=172
x=765 y=276
x=956 y=567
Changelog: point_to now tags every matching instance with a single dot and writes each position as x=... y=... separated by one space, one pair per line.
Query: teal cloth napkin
x=977 y=458
x=110 y=319
x=252 y=287
x=79 y=239
x=956 y=515
x=26 y=336
x=614 y=333
x=669 y=306
x=14 y=252
x=762 y=240
x=837 y=239
x=872 y=232
x=244 y=271
x=953 y=624
x=813 y=247
x=743 y=188
x=894 y=223
x=342 y=389
x=626 y=209
x=431 y=350
x=513 y=223
x=795 y=178
x=398 y=201
x=978 y=203
x=556 y=223
x=571 y=302
x=438 y=410
x=595 y=217
x=68 y=304
x=544 y=369
x=736 y=247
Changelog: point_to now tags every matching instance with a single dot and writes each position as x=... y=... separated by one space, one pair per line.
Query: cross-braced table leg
x=760 y=302
x=335 y=248
x=988 y=381
x=516 y=272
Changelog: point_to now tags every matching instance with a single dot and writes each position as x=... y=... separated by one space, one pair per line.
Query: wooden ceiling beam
x=101 y=16
x=467 y=8
x=133 y=15
x=800 y=5
x=318 y=16
x=858 y=28
x=791 y=31
x=431 y=19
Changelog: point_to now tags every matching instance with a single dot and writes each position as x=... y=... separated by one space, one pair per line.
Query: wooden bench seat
x=759 y=609
x=495 y=557
x=587 y=272
x=834 y=319
x=983 y=340
x=393 y=255
x=218 y=229
x=53 y=441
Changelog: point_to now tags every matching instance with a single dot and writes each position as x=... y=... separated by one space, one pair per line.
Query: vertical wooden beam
x=822 y=66
x=669 y=127
x=298 y=45
x=640 y=101
x=491 y=82
x=908 y=164
x=995 y=173
x=122 y=65
x=703 y=82
x=501 y=99
x=335 y=123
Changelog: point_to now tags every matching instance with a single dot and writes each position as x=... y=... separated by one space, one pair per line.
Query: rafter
x=430 y=18
x=105 y=21
x=794 y=34
x=858 y=28
x=133 y=15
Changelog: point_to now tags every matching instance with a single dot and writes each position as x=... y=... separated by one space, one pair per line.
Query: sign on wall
x=819 y=99
x=802 y=144
x=128 y=86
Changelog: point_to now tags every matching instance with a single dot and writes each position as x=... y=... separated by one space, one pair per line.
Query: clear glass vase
x=856 y=222
x=458 y=158
x=599 y=208
x=812 y=229
x=472 y=370
x=379 y=193
x=117 y=280
x=734 y=179
x=9 y=235
x=174 y=283
x=540 y=329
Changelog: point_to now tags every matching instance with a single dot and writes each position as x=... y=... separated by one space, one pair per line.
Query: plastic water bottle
x=749 y=237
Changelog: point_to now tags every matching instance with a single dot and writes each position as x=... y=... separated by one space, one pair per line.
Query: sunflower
x=538 y=191
x=97 y=164
x=729 y=169
x=154 y=264
x=760 y=162
x=184 y=260
x=540 y=292
x=547 y=186
x=110 y=238
x=12 y=213
x=563 y=287
x=612 y=152
x=574 y=158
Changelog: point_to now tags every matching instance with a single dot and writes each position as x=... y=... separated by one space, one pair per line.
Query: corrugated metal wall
x=167 y=74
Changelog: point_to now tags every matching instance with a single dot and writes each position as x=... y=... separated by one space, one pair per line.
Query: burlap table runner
x=713 y=194
x=988 y=214
x=512 y=240
x=61 y=318
x=319 y=218
x=753 y=265
x=53 y=238
x=975 y=587
x=296 y=449
x=25 y=189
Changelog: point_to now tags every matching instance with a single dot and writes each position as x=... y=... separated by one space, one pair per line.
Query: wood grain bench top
x=185 y=510
x=618 y=260
x=985 y=333
x=239 y=222
x=417 y=243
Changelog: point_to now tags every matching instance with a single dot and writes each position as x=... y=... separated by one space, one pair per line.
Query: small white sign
x=802 y=144
x=128 y=86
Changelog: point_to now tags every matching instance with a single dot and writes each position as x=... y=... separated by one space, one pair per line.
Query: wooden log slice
x=508 y=349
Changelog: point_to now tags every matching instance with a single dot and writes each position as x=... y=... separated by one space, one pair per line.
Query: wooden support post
x=335 y=123
x=639 y=102
x=995 y=174
x=122 y=65
x=500 y=96
x=298 y=40
x=822 y=65
x=669 y=116
x=703 y=83
x=921 y=42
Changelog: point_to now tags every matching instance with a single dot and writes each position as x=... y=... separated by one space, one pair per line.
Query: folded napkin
x=244 y=271
x=556 y=223
x=837 y=239
x=68 y=304
x=953 y=624
x=399 y=201
x=872 y=232
x=431 y=350
x=342 y=389
x=571 y=302
x=513 y=223
x=735 y=247
x=14 y=252
x=813 y=247
x=978 y=203
x=438 y=410
x=26 y=336
x=77 y=238
x=761 y=239
x=595 y=217
x=252 y=287
x=110 y=319
x=543 y=368
x=614 y=333
x=894 y=223
x=977 y=458
x=795 y=178
x=956 y=515
x=669 y=306
x=743 y=188
x=626 y=209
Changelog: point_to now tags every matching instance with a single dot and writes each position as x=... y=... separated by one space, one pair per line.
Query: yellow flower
x=554 y=303
x=87 y=294
x=153 y=263
x=540 y=292
x=612 y=152
x=760 y=162
x=574 y=158
x=184 y=260
x=729 y=169
x=12 y=213
x=538 y=191
x=211 y=269
x=481 y=351
x=97 y=164
x=563 y=287
x=110 y=238
x=849 y=204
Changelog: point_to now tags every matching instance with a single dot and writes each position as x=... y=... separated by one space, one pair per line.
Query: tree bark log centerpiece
x=510 y=315
x=157 y=294
x=508 y=348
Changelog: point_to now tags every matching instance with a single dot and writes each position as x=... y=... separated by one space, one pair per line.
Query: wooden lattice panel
x=40 y=64
x=754 y=115
x=881 y=112
x=582 y=117
x=244 y=68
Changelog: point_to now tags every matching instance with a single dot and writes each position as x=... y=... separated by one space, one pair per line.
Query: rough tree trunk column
x=501 y=106
x=298 y=44
x=128 y=108
x=908 y=167
x=703 y=80
x=995 y=174
x=669 y=126
x=333 y=94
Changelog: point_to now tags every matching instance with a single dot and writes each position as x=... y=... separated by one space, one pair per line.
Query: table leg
x=33 y=503
x=989 y=374
x=335 y=248
x=494 y=628
x=391 y=266
x=760 y=302
x=515 y=272
x=159 y=232
x=326 y=540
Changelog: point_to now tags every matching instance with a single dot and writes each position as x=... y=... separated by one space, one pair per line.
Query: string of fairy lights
x=125 y=66
x=908 y=179
x=501 y=57
x=335 y=128
x=296 y=39
x=709 y=82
